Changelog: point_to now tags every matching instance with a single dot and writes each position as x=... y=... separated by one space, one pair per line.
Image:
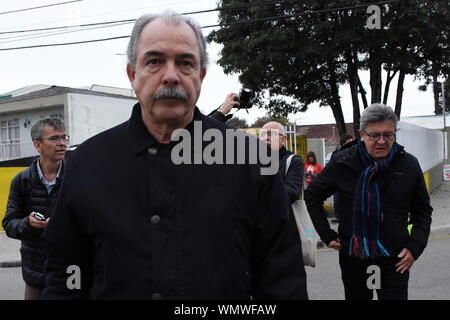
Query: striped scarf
x=367 y=215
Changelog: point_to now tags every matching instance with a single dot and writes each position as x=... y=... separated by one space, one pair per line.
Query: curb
x=443 y=230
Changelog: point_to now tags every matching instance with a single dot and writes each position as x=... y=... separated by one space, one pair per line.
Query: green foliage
x=237 y=123
x=305 y=56
x=261 y=121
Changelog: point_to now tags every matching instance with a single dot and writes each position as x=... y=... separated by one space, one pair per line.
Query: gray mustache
x=170 y=93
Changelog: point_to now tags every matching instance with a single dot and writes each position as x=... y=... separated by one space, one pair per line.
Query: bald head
x=273 y=133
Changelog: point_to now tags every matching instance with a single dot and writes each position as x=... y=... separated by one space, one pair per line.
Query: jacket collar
x=350 y=157
x=34 y=174
x=139 y=138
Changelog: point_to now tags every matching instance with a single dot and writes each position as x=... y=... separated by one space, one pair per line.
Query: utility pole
x=443 y=114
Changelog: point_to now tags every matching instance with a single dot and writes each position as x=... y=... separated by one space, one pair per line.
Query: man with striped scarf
x=381 y=190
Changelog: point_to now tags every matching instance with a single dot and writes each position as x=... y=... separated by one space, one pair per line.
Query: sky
x=104 y=63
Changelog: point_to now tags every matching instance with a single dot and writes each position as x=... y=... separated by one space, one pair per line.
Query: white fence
x=425 y=144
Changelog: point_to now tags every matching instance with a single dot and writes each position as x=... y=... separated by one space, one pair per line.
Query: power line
x=69 y=27
x=26 y=37
x=64 y=43
x=239 y=6
x=40 y=7
x=209 y=26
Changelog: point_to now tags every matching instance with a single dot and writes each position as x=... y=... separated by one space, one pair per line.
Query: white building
x=85 y=113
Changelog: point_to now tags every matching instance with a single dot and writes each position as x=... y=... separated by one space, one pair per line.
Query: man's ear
x=283 y=140
x=37 y=145
x=202 y=74
x=361 y=134
x=131 y=72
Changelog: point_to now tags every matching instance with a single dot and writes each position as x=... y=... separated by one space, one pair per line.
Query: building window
x=9 y=139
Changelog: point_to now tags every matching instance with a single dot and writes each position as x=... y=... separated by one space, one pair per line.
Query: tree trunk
x=353 y=82
x=362 y=92
x=389 y=78
x=375 y=77
x=335 y=99
x=398 y=100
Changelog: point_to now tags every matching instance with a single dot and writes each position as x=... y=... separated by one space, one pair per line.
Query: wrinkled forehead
x=164 y=29
x=382 y=126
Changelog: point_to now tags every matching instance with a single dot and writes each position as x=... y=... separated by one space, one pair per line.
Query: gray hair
x=377 y=112
x=37 y=130
x=168 y=17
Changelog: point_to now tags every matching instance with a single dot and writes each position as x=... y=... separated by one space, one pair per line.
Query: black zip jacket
x=28 y=194
x=403 y=193
x=293 y=179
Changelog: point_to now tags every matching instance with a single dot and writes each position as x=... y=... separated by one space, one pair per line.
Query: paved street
x=429 y=278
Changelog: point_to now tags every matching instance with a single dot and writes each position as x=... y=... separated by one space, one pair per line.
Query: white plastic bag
x=308 y=235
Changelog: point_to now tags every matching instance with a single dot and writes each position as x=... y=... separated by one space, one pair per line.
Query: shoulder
x=407 y=159
x=102 y=140
x=345 y=154
x=20 y=179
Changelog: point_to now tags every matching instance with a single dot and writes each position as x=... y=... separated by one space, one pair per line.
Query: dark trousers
x=32 y=293
x=355 y=275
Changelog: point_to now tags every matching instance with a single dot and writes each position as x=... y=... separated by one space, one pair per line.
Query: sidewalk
x=440 y=201
x=9 y=251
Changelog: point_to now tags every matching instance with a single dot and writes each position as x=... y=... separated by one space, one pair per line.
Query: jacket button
x=152 y=151
x=157 y=296
x=155 y=219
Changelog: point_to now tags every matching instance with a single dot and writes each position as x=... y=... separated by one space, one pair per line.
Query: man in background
x=274 y=134
x=32 y=196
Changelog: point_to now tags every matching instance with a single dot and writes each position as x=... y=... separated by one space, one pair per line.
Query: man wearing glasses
x=273 y=133
x=380 y=187
x=32 y=196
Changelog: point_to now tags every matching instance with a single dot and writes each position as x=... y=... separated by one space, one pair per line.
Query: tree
x=435 y=51
x=317 y=46
x=261 y=121
x=237 y=123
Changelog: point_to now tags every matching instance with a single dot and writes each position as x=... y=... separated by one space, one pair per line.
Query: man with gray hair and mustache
x=133 y=224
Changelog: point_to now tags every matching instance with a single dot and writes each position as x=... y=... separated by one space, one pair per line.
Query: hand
x=335 y=244
x=406 y=262
x=37 y=224
x=229 y=103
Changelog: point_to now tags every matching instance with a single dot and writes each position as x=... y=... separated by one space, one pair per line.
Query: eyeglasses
x=270 y=133
x=387 y=136
x=55 y=139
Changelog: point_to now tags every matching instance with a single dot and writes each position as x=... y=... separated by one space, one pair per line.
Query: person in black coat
x=33 y=191
x=145 y=214
x=380 y=187
x=273 y=133
x=222 y=113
